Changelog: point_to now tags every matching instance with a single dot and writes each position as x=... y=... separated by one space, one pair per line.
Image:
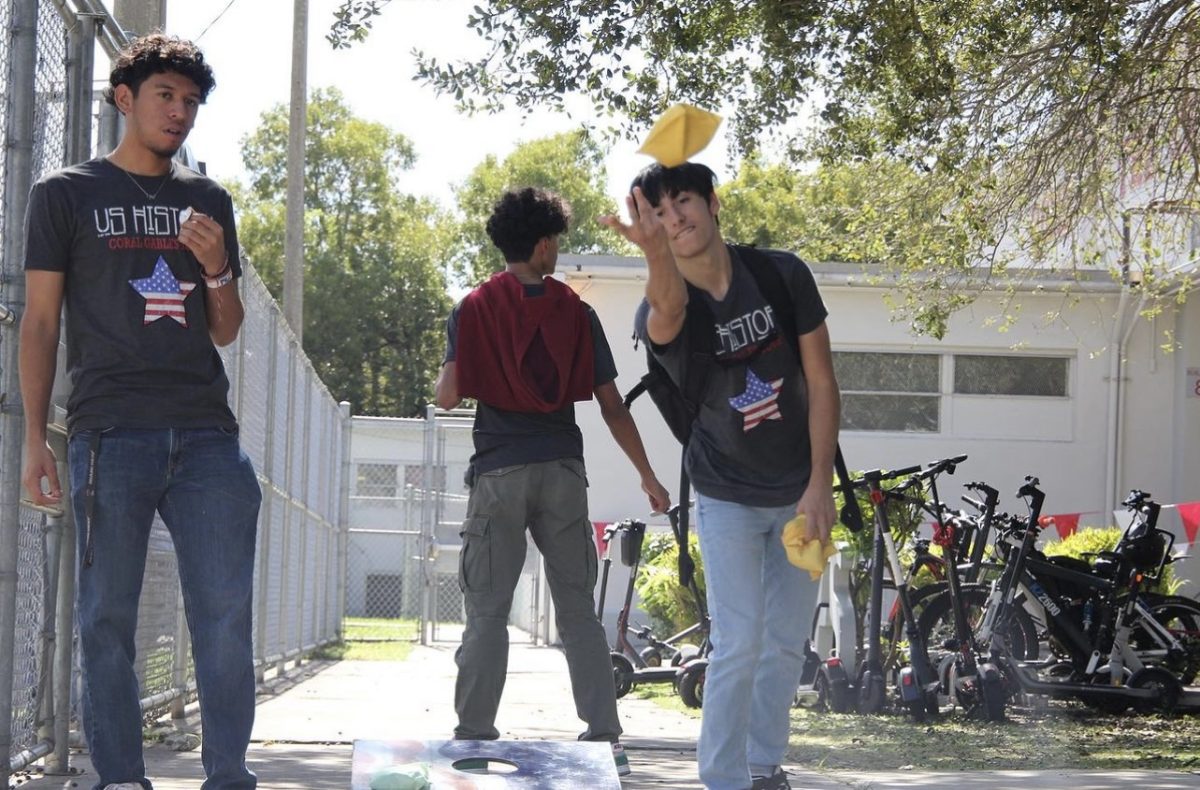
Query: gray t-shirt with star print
x=750 y=442
x=138 y=350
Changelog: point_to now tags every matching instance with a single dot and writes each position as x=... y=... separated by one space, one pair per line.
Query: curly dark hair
x=523 y=217
x=158 y=53
x=656 y=181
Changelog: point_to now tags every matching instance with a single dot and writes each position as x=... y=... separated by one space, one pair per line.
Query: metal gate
x=410 y=501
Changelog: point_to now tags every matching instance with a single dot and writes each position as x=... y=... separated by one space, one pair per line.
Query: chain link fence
x=408 y=503
x=292 y=429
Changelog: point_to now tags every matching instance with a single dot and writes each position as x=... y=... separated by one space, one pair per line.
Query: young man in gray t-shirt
x=761 y=452
x=142 y=253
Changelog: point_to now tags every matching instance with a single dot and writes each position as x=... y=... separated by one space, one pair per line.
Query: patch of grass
x=364 y=651
x=663 y=694
x=371 y=639
x=358 y=629
x=1059 y=736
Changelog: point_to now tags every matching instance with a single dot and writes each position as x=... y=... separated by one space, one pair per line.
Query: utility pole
x=139 y=17
x=293 y=240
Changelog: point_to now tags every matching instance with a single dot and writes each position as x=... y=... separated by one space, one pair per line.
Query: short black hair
x=656 y=181
x=158 y=53
x=523 y=217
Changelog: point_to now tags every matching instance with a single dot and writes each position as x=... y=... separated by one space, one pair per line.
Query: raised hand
x=644 y=228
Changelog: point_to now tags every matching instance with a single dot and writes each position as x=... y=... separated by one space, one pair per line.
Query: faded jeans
x=550 y=499
x=204 y=487
x=761 y=607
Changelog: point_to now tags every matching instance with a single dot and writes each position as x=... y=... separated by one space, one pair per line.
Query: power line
x=216 y=19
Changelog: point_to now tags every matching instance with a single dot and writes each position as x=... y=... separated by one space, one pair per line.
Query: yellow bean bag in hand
x=809 y=555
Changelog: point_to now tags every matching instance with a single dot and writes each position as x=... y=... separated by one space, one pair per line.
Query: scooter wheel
x=686 y=653
x=991 y=689
x=622 y=673
x=833 y=689
x=651 y=656
x=932 y=706
x=1168 y=686
x=691 y=683
x=871 y=692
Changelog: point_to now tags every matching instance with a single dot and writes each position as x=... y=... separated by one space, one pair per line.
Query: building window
x=377 y=481
x=889 y=392
x=980 y=374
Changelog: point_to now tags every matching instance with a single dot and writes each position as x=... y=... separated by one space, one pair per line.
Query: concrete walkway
x=307 y=723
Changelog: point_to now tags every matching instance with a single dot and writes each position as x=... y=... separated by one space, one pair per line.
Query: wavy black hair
x=523 y=217
x=158 y=53
x=656 y=181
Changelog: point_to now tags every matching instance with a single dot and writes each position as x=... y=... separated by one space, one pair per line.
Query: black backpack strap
x=774 y=289
x=634 y=391
x=687 y=566
x=851 y=514
x=699 y=325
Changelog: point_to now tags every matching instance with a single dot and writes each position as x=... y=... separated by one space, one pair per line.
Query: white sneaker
x=621 y=760
x=125 y=786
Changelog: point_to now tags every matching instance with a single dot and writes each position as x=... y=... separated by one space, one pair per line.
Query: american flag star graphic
x=163 y=293
x=759 y=402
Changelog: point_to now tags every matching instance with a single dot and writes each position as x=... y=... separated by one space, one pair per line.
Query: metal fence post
x=19 y=178
x=265 y=514
x=428 y=531
x=58 y=762
x=303 y=439
x=286 y=569
x=343 y=530
x=179 y=660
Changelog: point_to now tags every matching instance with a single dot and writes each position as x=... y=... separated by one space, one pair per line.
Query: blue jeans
x=761 y=607
x=204 y=487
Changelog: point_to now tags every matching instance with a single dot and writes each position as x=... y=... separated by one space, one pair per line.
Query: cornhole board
x=530 y=765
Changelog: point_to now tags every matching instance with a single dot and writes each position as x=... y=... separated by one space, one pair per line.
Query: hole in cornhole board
x=492 y=766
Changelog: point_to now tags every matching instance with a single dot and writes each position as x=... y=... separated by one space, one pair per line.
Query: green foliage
x=1087 y=542
x=570 y=164
x=1084 y=543
x=1035 y=122
x=671 y=606
x=881 y=213
x=374 y=285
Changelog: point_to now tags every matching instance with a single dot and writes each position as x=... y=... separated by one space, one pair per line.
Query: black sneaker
x=776 y=781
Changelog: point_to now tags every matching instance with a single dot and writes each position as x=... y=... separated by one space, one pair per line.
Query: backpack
x=680 y=405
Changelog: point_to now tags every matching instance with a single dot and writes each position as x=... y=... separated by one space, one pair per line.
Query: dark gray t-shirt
x=506 y=438
x=750 y=441
x=138 y=350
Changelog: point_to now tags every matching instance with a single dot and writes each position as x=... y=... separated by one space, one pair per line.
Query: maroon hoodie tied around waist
x=524 y=353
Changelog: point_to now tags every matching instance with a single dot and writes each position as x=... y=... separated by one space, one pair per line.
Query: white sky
x=250 y=50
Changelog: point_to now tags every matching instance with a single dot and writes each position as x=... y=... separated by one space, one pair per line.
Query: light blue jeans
x=204 y=487
x=761 y=607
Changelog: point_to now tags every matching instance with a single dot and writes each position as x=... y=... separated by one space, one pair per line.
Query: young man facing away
x=761 y=452
x=143 y=253
x=526 y=348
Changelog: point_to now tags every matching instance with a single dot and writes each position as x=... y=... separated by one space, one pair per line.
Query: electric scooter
x=631 y=666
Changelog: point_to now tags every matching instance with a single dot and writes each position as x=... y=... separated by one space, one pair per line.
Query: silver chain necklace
x=149 y=195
